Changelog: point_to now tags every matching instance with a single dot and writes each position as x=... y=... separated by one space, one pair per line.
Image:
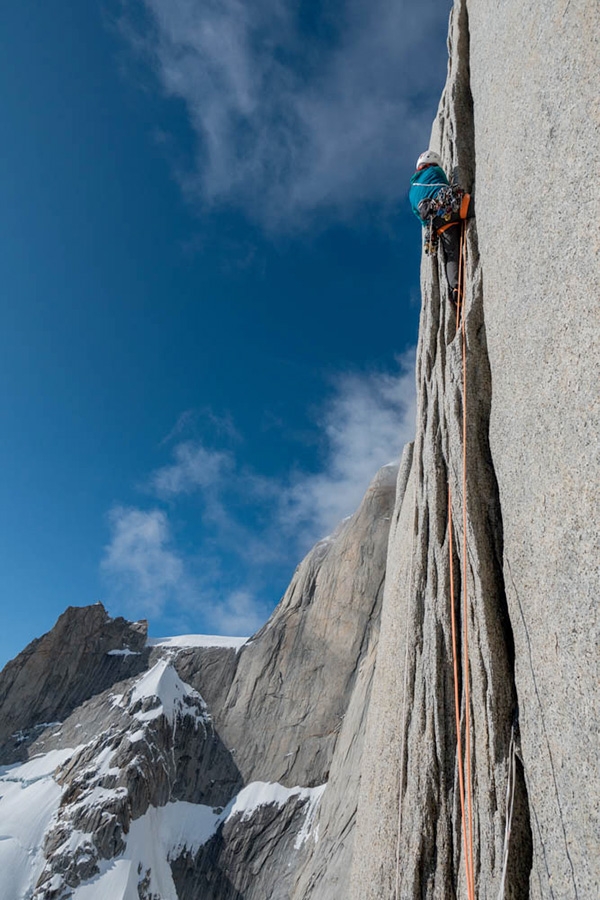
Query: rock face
x=294 y=716
x=152 y=744
x=300 y=669
x=543 y=332
x=320 y=761
x=519 y=118
x=169 y=797
x=60 y=670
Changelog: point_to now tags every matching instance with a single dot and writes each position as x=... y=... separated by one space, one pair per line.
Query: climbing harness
x=445 y=206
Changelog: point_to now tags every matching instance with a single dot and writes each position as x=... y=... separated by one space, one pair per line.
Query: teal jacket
x=424 y=185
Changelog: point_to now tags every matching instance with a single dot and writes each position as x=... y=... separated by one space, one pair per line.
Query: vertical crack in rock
x=494 y=693
x=339 y=777
x=537 y=114
x=418 y=833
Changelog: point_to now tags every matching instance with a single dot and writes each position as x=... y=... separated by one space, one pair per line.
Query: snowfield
x=29 y=799
x=198 y=640
x=163 y=682
x=162 y=834
x=153 y=839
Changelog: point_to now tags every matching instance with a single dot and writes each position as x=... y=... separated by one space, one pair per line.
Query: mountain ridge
x=319 y=760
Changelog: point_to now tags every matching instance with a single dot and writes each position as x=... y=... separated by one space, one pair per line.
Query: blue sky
x=210 y=294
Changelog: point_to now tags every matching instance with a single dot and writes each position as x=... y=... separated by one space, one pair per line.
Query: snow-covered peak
x=198 y=640
x=174 y=695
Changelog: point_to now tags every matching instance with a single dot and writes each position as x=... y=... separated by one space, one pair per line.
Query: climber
x=439 y=206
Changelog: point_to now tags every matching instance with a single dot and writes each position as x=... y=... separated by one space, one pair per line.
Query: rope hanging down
x=510 y=802
x=464 y=773
x=464 y=770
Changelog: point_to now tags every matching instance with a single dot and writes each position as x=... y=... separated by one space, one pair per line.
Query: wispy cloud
x=194 y=467
x=298 y=109
x=366 y=423
x=240 y=613
x=253 y=524
x=140 y=562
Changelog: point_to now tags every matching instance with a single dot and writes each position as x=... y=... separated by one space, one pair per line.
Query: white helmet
x=429 y=158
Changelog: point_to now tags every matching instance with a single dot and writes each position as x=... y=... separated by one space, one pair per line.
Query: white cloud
x=194 y=467
x=291 y=118
x=251 y=523
x=241 y=613
x=140 y=561
x=366 y=423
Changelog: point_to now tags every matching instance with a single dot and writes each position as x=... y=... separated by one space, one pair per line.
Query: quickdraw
x=446 y=204
x=431 y=239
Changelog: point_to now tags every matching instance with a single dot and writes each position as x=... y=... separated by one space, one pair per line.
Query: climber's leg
x=450 y=240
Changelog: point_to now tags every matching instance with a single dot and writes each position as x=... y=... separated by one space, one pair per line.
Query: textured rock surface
x=288 y=708
x=543 y=331
x=300 y=669
x=519 y=117
x=57 y=672
x=210 y=671
x=325 y=873
x=350 y=683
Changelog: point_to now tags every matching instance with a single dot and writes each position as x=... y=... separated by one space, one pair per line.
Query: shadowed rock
x=512 y=112
x=350 y=683
x=62 y=669
x=286 y=706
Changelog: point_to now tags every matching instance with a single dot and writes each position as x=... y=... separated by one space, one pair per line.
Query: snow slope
x=175 y=696
x=198 y=640
x=153 y=839
x=162 y=834
x=29 y=799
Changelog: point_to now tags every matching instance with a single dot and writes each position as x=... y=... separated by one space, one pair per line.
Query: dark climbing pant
x=450 y=241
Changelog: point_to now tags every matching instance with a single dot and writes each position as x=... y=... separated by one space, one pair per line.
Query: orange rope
x=461 y=783
x=463 y=774
x=461 y=276
x=465 y=570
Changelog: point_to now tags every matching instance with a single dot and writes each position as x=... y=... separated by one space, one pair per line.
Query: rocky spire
x=319 y=761
x=519 y=102
x=81 y=656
